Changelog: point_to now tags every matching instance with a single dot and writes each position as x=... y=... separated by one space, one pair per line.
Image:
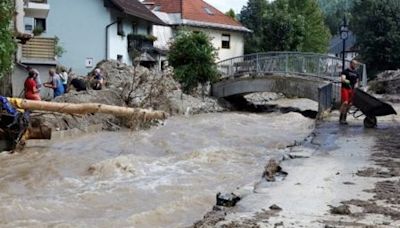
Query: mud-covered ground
x=341 y=176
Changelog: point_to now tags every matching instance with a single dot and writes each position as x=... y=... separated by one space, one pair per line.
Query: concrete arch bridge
x=295 y=74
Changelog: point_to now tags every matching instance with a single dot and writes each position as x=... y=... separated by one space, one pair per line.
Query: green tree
x=334 y=11
x=231 y=13
x=7 y=44
x=282 y=31
x=377 y=27
x=252 y=16
x=193 y=57
x=316 y=34
x=285 y=25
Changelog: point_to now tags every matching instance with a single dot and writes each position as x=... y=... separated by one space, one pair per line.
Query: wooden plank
x=38 y=56
x=39 y=45
x=38 y=49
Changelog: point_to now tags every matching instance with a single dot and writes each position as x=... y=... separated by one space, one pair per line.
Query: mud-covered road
x=344 y=176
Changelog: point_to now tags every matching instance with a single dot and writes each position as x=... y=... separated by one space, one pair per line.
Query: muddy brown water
x=166 y=176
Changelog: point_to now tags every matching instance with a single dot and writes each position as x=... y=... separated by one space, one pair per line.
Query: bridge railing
x=286 y=63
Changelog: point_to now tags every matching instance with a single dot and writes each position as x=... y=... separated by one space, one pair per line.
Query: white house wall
x=118 y=45
x=236 y=42
x=19 y=17
x=164 y=35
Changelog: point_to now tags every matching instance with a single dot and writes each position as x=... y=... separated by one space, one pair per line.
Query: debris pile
x=133 y=87
x=141 y=87
x=387 y=82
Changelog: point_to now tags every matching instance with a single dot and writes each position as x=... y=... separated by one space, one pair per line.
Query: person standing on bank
x=349 y=79
x=55 y=83
x=31 y=90
x=64 y=78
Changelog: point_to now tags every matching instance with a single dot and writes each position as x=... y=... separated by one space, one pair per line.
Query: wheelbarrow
x=370 y=107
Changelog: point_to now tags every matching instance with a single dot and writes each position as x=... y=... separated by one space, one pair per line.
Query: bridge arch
x=292 y=86
x=308 y=75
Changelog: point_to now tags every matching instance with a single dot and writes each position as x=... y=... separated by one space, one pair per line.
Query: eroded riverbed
x=167 y=176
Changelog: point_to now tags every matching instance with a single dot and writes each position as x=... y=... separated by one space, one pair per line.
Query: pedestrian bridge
x=295 y=74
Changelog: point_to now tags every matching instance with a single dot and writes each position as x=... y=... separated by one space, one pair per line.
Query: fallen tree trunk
x=86 y=108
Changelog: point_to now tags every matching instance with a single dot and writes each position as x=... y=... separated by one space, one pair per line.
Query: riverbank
x=346 y=176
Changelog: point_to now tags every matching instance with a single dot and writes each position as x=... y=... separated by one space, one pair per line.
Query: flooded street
x=166 y=176
x=345 y=176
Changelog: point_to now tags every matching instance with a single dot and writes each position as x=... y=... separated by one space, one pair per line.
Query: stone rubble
x=133 y=87
x=387 y=82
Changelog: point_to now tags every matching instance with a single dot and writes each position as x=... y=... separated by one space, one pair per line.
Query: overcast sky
x=225 y=5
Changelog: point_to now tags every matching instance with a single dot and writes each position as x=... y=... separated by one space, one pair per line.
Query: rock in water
x=340 y=210
x=271 y=169
x=227 y=199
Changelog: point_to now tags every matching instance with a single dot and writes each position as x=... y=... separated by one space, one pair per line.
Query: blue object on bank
x=5 y=105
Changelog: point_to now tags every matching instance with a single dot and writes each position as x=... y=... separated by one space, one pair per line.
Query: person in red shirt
x=31 y=90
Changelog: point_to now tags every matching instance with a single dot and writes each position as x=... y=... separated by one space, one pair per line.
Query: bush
x=193 y=58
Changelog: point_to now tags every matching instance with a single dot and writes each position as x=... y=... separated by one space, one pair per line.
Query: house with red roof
x=197 y=15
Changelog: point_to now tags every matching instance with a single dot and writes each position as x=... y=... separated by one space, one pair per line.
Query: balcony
x=39 y=50
x=36 y=8
x=140 y=42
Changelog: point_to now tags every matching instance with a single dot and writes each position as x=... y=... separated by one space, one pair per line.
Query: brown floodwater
x=166 y=176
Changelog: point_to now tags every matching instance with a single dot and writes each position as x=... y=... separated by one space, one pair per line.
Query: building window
x=40 y=24
x=120 y=27
x=226 y=41
x=208 y=11
x=149 y=29
x=28 y=27
x=120 y=58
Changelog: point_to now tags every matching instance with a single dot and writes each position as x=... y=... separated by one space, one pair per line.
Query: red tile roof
x=137 y=9
x=195 y=10
x=167 y=6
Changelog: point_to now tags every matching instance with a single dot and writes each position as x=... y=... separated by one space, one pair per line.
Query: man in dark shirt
x=349 y=79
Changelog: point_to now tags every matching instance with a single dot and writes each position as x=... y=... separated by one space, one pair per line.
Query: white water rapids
x=166 y=176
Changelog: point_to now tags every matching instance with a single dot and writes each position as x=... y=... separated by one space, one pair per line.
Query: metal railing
x=314 y=65
x=309 y=65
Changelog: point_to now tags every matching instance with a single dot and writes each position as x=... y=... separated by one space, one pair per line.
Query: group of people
x=58 y=82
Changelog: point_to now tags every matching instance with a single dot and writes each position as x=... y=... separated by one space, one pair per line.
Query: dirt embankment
x=133 y=87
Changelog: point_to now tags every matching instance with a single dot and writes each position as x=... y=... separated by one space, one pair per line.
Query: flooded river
x=166 y=176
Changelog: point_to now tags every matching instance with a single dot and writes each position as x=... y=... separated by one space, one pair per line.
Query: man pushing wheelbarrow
x=349 y=79
x=370 y=106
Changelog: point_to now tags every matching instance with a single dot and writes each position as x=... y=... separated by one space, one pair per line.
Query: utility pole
x=344 y=33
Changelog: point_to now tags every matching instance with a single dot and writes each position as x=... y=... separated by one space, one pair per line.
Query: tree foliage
x=193 y=57
x=231 y=13
x=377 y=27
x=7 y=44
x=285 y=25
x=282 y=31
x=252 y=16
x=334 y=11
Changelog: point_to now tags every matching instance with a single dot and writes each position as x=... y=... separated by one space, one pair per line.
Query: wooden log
x=86 y=108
